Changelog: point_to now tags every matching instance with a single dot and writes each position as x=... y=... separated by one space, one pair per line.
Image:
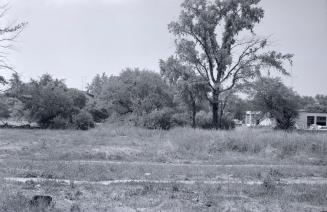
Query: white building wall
x=301 y=121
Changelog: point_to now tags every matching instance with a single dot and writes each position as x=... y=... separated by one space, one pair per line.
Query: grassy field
x=122 y=168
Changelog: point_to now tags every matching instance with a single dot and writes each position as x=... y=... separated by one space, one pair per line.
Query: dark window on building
x=310 y=120
x=321 y=120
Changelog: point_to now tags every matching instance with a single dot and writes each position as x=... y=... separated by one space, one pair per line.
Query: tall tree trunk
x=221 y=112
x=215 y=110
x=193 y=114
x=215 y=120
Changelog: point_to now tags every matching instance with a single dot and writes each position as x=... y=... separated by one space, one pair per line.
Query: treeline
x=142 y=97
x=49 y=103
x=149 y=99
x=153 y=100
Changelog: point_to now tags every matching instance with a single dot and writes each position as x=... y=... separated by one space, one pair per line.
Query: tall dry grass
x=158 y=145
x=247 y=140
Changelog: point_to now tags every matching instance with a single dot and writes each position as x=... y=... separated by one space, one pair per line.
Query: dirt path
x=226 y=181
x=221 y=179
x=177 y=164
x=192 y=164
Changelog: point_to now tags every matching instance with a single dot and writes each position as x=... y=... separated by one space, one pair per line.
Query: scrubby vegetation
x=256 y=145
x=146 y=99
x=259 y=167
x=49 y=103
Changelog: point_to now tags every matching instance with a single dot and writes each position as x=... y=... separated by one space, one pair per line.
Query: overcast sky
x=76 y=39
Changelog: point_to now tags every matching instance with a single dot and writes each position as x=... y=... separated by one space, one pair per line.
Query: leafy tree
x=209 y=40
x=115 y=96
x=96 y=86
x=271 y=96
x=78 y=97
x=316 y=108
x=48 y=100
x=11 y=97
x=49 y=103
x=136 y=91
x=191 y=89
x=16 y=86
x=83 y=120
x=305 y=101
x=316 y=104
x=321 y=99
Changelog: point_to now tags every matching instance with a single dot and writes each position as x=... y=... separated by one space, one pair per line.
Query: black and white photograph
x=163 y=105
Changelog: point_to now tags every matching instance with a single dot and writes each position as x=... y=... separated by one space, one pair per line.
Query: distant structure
x=252 y=118
x=258 y=118
x=307 y=120
x=311 y=120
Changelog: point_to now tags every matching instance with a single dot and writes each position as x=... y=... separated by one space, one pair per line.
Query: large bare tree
x=216 y=38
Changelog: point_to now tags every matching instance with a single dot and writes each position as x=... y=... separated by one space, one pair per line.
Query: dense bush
x=204 y=120
x=181 y=119
x=47 y=99
x=78 y=98
x=99 y=114
x=136 y=91
x=159 y=119
x=83 y=120
x=52 y=104
x=4 y=111
x=227 y=123
x=59 y=122
x=16 y=108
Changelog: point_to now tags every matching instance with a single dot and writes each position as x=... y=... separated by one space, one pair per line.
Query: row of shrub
x=168 y=118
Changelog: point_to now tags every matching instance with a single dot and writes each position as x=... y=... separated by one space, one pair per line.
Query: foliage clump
x=83 y=120
x=159 y=119
x=48 y=102
x=271 y=96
